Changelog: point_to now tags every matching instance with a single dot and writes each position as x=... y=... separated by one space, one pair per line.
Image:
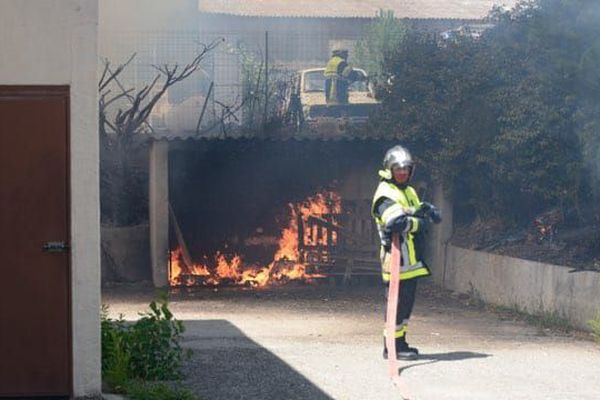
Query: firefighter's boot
x=403 y=351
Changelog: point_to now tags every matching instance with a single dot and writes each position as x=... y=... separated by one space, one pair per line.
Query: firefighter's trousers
x=406 y=301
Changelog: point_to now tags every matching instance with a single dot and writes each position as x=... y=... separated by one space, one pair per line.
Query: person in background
x=339 y=75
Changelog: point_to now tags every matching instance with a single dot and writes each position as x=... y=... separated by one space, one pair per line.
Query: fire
x=286 y=264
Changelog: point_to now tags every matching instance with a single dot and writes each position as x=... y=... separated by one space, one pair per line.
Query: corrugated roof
x=163 y=135
x=414 y=9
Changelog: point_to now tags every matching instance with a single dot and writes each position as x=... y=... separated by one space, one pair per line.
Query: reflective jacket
x=406 y=202
x=336 y=74
x=335 y=67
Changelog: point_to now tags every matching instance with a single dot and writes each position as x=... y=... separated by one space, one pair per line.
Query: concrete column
x=441 y=234
x=159 y=212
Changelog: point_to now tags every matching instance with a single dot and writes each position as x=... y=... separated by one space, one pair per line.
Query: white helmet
x=398 y=156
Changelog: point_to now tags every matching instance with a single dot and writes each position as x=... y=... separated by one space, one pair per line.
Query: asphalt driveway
x=324 y=342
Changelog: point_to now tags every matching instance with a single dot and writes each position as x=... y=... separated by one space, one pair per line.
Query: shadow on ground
x=226 y=364
x=437 y=357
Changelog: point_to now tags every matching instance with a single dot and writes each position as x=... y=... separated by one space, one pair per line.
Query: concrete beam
x=441 y=234
x=159 y=212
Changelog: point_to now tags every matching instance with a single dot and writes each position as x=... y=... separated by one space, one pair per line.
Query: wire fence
x=244 y=63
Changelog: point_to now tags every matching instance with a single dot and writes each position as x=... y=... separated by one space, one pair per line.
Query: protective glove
x=398 y=224
x=429 y=212
x=426 y=206
x=435 y=215
x=406 y=223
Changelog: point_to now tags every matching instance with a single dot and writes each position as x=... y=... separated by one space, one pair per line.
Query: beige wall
x=54 y=42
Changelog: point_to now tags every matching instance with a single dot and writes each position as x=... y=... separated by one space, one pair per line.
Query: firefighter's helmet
x=397 y=156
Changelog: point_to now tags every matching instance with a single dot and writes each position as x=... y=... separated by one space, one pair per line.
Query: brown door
x=35 y=326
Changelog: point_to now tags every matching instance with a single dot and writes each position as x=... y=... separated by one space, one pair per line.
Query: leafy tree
x=508 y=121
x=384 y=35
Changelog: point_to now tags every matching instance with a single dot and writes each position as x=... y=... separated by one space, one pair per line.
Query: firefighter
x=339 y=75
x=398 y=210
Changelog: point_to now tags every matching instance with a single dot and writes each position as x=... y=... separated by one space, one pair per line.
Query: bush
x=147 y=350
x=508 y=121
x=115 y=352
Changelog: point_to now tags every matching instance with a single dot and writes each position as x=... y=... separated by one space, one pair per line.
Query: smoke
x=587 y=117
x=147 y=15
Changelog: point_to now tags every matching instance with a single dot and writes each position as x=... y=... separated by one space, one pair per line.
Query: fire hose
x=390 y=324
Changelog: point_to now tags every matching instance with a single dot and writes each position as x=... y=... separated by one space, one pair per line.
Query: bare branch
x=117 y=97
x=127 y=121
x=104 y=81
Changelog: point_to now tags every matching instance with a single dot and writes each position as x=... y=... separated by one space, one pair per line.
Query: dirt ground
x=324 y=342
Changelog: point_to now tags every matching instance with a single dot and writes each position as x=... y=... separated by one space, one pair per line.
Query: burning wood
x=287 y=264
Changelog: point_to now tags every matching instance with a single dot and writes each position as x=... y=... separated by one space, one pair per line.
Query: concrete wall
x=54 y=42
x=159 y=212
x=534 y=287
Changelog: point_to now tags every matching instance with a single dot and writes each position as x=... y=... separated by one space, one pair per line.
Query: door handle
x=55 y=247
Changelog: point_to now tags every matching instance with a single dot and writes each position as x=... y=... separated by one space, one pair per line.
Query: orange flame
x=286 y=265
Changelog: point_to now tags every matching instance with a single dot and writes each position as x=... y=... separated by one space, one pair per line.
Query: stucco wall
x=54 y=42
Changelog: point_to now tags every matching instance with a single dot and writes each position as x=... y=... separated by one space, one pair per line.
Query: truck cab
x=310 y=110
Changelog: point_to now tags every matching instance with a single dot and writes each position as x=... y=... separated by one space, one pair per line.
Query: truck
x=308 y=110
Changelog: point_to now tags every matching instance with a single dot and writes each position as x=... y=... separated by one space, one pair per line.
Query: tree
x=506 y=120
x=384 y=35
x=123 y=124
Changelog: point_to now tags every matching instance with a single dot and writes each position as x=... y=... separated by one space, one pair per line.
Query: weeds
x=595 y=325
x=544 y=320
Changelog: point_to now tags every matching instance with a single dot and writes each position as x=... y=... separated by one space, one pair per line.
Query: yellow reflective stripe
x=400 y=331
x=413 y=273
x=412 y=254
x=394 y=193
x=414 y=222
x=411 y=194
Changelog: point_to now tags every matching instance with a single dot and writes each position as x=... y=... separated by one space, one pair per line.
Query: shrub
x=506 y=119
x=148 y=349
x=115 y=354
x=154 y=344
